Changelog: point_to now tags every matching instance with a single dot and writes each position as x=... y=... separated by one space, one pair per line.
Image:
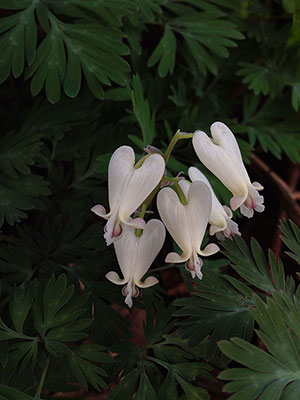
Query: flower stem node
x=187 y=224
x=135 y=255
x=128 y=187
x=222 y=156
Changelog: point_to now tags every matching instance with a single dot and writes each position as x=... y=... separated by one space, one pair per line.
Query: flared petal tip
x=148 y=282
x=113 y=277
x=99 y=210
x=174 y=258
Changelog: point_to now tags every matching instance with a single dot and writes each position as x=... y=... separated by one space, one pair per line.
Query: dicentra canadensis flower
x=135 y=256
x=128 y=187
x=187 y=224
x=221 y=155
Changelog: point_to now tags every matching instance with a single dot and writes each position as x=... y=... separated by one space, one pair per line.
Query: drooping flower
x=187 y=224
x=128 y=187
x=222 y=156
x=220 y=216
x=135 y=256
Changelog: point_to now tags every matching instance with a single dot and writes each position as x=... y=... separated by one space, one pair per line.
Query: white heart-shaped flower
x=187 y=224
x=222 y=156
x=128 y=187
x=135 y=256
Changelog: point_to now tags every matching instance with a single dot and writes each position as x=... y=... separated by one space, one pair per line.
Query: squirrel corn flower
x=187 y=224
x=222 y=156
x=135 y=256
x=220 y=216
x=128 y=187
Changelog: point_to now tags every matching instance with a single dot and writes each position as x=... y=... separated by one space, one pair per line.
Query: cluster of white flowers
x=185 y=208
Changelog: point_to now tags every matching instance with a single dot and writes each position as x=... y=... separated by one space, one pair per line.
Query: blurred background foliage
x=80 y=78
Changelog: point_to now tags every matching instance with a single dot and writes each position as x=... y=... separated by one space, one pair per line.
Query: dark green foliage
x=43 y=322
x=80 y=78
x=164 y=367
x=291 y=237
x=219 y=308
x=272 y=375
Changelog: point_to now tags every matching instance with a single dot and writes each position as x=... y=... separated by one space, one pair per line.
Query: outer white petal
x=99 y=210
x=223 y=137
x=173 y=215
x=141 y=183
x=126 y=249
x=114 y=278
x=221 y=164
x=217 y=216
x=198 y=210
x=150 y=244
x=120 y=169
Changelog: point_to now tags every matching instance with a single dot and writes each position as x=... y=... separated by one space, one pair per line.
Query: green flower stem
x=180 y=194
x=140 y=162
x=178 y=136
x=43 y=377
x=138 y=232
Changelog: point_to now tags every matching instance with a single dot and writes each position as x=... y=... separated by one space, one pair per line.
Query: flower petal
x=174 y=216
x=150 y=281
x=174 y=258
x=223 y=137
x=114 y=278
x=100 y=211
x=209 y=250
x=150 y=244
x=198 y=209
x=141 y=183
x=136 y=223
x=217 y=216
x=126 y=249
x=221 y=164
x=120 y=169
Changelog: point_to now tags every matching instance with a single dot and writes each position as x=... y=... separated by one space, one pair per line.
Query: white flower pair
x=130 y=186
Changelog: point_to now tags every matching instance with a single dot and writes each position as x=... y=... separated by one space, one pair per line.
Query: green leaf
x=204 y=33
x=142 y=112
x=168 y=388
x=260 y=79
x=85 y=372
x=126 y=387
x=19 y=306
x=70 y=49
x=18 y=40
x=268 y=375
x=20 y=195
x=191 y=391
x=219 y=307
x=291 y=238
x=18 y=151
x=145 y=390
x=295 y=96
x=253 y=267
x=164 y=53
x=12 y=394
